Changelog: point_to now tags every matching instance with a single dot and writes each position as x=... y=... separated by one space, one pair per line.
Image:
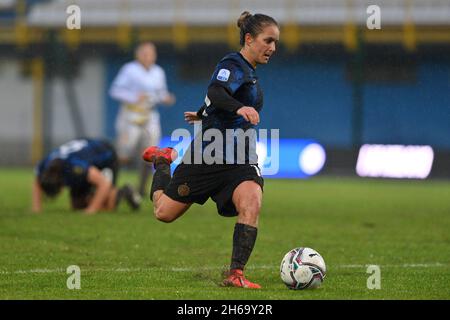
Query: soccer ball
x=302 y=268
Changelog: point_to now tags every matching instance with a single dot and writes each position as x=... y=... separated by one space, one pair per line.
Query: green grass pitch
x=401 y=226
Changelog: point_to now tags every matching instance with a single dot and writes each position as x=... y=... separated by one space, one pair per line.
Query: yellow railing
x=180 y=33
x=37 y=74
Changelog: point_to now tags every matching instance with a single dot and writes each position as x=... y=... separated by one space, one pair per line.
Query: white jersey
x=138 y=121
x=133 y=80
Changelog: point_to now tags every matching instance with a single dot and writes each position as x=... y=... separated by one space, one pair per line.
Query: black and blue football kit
x=77 y=156
x=234 y=84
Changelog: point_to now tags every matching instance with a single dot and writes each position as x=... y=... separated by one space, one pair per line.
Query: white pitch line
x=405 y=265
x=212 y=268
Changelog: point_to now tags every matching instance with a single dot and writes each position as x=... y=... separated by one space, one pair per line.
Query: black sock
x=161 y=177
x=244 y=238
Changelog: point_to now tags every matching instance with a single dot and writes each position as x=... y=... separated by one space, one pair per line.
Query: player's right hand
x=249 y=114
x=191 y=117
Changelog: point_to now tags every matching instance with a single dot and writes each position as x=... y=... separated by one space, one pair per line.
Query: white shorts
x=136 y=132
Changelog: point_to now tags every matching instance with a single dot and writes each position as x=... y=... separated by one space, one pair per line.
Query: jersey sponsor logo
x=223 y=75
x=77 y=170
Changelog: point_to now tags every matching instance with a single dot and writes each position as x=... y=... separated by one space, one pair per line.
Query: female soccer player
x=88 y=167
x=233 y=101
x=140 y=86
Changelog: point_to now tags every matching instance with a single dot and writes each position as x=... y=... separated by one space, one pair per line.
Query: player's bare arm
x=102 y=189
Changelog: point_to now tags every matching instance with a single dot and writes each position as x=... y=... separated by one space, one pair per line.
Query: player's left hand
x=249 y=114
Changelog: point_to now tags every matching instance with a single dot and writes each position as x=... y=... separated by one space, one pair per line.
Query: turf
x=401 y=226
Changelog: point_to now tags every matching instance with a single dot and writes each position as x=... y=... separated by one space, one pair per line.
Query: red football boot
x=151 y=154
x=236 y=279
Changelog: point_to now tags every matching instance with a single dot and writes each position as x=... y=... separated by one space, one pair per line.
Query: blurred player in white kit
x=140 y=86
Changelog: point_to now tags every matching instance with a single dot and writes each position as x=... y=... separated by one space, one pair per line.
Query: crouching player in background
x=88 y=167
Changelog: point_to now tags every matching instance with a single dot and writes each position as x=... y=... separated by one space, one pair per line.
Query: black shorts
x=198 y=182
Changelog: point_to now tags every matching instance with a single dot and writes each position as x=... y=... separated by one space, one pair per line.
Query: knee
x=250 y=206
x=162 y=216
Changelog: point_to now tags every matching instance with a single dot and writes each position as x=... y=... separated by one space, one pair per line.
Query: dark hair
x=253 y=24
x=51 y=179
x=81 y=197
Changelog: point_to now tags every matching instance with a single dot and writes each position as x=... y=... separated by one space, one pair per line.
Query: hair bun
x=244 y=16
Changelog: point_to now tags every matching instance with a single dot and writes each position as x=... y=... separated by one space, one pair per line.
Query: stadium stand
x=218 y=12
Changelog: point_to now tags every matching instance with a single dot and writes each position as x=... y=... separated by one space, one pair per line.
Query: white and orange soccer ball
x=302 y=268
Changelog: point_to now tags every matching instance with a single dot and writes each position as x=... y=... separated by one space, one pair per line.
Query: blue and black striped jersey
x=238 y=77
x=78 y=155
